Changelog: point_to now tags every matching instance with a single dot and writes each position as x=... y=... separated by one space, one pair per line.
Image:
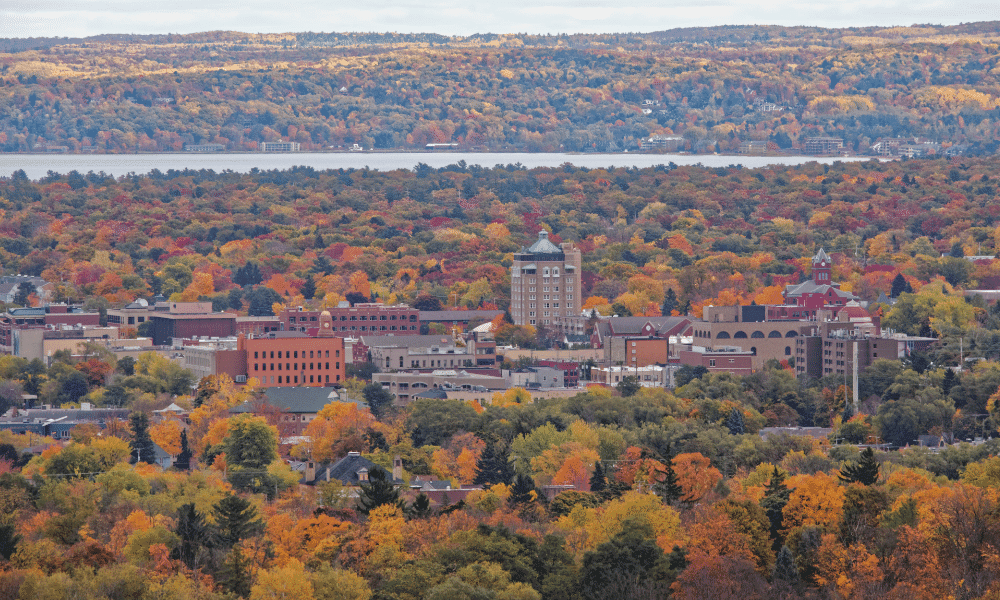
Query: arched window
x=555 y=271
x=774 y=334
x=723 y=335
x=788 y=350
x=740 y=335
x=791 y=334
x=757 y=334
x=545 y=272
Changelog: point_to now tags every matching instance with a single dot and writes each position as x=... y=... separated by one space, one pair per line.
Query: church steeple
x=821 y=268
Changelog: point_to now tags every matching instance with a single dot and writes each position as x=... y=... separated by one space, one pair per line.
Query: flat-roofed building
x=294 y=359
x=363 y=318
x=187 y=320
x=406 y=384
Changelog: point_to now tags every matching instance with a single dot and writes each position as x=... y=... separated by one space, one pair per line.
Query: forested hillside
x=653 y=240
x=511 y=92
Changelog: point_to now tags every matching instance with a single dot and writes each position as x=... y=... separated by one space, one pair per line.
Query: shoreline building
x=545 y=282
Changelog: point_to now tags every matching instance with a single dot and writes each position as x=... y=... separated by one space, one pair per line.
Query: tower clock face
x=327 y=325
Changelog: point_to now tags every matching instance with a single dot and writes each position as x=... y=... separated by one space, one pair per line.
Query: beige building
x=545 y=282
x=405 y=385
x=746 y=328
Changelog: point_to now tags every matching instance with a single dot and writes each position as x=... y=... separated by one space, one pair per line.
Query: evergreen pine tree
x=308 y=290
x=421 y=506
x=521 y=491
x=669 y=488
x=735 y=422
x=143 y=449
x=784 y=567
x=865 y=471
x=898 y=286
x=183 y=461
x=669 y=303
x=377 y=491
x=775 y=498
x=193 y=533
x=598 y=481
x=234 y=577
x=493 y=466
x=949 y=381
x=235 y=520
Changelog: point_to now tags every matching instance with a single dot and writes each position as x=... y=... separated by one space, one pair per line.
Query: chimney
x=397 y=468
x=310 y=471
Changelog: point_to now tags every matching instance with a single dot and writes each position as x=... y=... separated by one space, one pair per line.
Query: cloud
x=78 y=18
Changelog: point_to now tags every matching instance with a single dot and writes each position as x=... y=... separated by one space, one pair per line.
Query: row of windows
x=295 y=354
x=724 y=335
x=293 y=366
x=294 y=379
x=359 y=318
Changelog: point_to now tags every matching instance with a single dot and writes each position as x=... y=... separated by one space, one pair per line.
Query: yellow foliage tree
x=283 y=583
x=816 y=500
x=167 y=435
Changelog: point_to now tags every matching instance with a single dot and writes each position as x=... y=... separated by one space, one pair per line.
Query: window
x=711 y=362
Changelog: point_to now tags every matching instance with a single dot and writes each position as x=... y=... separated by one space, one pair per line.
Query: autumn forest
x=670 y=493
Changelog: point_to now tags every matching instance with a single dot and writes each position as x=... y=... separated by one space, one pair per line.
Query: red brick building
x=287 y=359
x=370 y=318
x=721 y=360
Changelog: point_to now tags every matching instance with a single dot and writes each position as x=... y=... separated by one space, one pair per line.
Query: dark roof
x=634 y=325
x=293 y=399
x=436 y=393
x=811 y=287
x=346 y=469
x=458 y=315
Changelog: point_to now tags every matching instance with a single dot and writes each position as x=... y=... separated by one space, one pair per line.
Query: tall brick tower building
x=545 y=282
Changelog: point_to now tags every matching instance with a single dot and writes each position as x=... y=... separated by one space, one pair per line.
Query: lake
x=38 y=165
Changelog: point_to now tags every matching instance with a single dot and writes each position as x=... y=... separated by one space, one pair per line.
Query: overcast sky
x=79 y=18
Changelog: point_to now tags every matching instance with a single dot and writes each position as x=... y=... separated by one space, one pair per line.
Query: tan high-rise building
x=545 y=282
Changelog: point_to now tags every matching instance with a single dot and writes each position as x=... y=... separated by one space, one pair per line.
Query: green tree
x=629 y=386
x=523 y=490
x=735 y=422
x=669 y=488
x=194 y=533
x=494 y=466
x=143 y=449
x=629 y=562
x=598 y=480
x=378 y=398
x=377 y=491
x=784 y=567
x=183 y=462
x=261 y=301
x=235 y=575
x=431 y=421
x=776 y=495
x=308 y=289
x=865 y=471
x=250 y=447
x=235 y=520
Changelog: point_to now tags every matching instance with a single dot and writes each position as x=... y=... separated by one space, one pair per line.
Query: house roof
x=293 y=399
x=635 y=325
